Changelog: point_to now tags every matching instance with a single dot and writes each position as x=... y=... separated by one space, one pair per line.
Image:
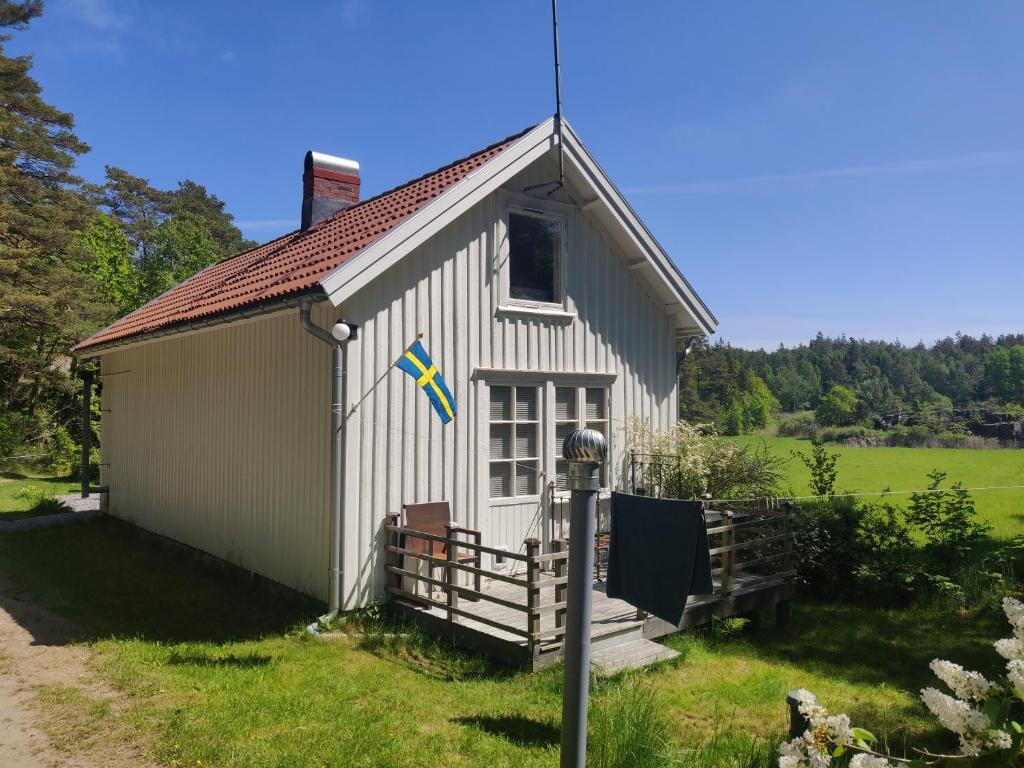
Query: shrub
x=42 y=502
x=826 y=545
x=948 y=521
x=838 y=408
x=822 y=466
x=800 y=425
x=690 y=460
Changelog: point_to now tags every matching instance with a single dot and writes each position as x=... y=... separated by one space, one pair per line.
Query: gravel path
x=34 y=652
x=82 y=509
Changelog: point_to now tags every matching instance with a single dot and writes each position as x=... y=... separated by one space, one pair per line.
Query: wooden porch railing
x=541 y=572
x=749 y=548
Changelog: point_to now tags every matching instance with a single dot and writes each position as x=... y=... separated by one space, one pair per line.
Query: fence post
x=561 y=571
x=533 y=591
x=728 y=556
x=393 y=558
x=784 y=608
x=798 y=723
x=451 y=574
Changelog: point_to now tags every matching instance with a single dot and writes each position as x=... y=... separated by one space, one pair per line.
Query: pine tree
x=44 y=306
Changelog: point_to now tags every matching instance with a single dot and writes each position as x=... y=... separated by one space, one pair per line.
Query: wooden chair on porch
x=435 y=517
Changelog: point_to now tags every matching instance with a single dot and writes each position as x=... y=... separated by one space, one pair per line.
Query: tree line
x=848 y=380
x=75 y=255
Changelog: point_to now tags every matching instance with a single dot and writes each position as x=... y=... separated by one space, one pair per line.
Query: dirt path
x=43 y=685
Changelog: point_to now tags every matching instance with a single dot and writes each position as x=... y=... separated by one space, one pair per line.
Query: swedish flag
x=417 y=363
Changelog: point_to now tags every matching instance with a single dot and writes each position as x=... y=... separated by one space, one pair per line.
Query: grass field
x=875 y=469
x=219 y=672
x=13 y=506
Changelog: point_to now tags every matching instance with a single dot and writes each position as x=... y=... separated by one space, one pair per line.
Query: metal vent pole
x=585 y=450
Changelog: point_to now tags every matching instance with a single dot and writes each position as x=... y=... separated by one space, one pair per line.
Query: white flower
x=965 y=684
x=1014 y=610
x=861 y=760
x=839 y=729
x=1011 y=648
x=955 y=715
x=998 y=740
x=1015 y=671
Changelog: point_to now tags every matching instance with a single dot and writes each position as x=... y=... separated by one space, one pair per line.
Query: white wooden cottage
x=544 y=308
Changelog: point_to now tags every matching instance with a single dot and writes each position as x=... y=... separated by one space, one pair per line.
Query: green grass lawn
x=13 y=505
x=219 y=672
x=875 y=469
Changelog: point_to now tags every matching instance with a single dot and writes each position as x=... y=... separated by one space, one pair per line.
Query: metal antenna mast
x=555 y=185
x=558 y=95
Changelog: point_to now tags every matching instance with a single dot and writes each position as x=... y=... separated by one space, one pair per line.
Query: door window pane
x=501 y=403
x=501 y=479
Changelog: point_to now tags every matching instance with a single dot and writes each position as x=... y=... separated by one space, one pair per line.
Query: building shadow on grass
x=518 y=730
x=108 y=579
x=874 y=646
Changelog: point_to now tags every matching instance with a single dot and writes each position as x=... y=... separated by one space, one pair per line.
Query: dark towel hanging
x=658 y=554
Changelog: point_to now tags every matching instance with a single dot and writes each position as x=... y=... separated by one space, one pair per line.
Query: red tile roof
x=292 y=263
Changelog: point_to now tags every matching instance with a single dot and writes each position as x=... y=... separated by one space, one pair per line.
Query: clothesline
x=853 y=494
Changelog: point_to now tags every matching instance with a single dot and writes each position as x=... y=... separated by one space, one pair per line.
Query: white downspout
x=336 y=338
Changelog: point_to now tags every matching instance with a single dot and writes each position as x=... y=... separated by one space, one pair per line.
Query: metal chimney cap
x=331 y=163
x=585 y=446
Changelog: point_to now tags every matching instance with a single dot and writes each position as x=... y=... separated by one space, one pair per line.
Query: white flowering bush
x=982 y=713
x=688 y=460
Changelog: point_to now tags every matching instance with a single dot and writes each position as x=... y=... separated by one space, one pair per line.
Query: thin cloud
x=783 y=181
x=98 y=14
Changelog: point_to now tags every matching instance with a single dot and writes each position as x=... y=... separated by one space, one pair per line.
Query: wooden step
x=610 y=659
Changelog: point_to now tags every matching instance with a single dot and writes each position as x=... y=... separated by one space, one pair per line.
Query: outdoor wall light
x=343 y=331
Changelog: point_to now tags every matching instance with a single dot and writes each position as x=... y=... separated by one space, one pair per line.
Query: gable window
x=535 y=246
x=578 y=408
x=514 y=441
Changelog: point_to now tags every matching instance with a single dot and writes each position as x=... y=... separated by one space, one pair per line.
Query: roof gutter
x=230 y=316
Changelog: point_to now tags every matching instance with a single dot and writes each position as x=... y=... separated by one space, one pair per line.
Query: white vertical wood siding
x=220 y=440
x=397 y=449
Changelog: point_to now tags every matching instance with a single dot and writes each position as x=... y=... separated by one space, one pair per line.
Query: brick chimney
x=328 y=184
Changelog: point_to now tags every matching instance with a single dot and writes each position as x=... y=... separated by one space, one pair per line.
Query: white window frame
x=516 y=468
x=579 y=422
x=559 y=271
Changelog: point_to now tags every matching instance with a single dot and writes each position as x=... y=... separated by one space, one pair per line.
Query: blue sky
x=851 y=168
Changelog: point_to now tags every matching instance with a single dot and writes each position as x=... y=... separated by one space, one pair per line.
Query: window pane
x=561 y=475
x=501 y=441
x=526 y=478
x=526 y=403
x=501 y=479
x=533 y=248
x=501 y=403
x=565 y=403
x=595 y=404
x=561 y=430
x=526 y=441
x=600 y=426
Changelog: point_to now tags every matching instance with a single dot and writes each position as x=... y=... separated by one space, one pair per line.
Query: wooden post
x=728 y=539
x=451 y=573
x=561 y=571
x=393 y=558
x=784 y=609
x=87 y=379
x=533 y=591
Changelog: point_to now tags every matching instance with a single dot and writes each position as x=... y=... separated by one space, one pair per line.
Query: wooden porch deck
x=611 y=618
x=517 y=613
